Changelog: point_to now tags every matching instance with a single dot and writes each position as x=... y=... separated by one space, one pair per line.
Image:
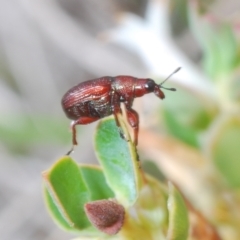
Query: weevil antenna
x=170 y=89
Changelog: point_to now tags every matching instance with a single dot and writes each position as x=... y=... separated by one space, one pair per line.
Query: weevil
x=94 y=99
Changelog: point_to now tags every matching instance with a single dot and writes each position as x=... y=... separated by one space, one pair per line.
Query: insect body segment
x=94 y=99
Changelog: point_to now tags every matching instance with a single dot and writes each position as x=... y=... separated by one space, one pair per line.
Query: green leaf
x=118 y=160
x=233 y=90
x=96 y=182
x=54 y=211
x=148 y=217
x=227 y=47
x=178 y=215
x=225 y=148
x=205 y=36
x=181 y=131
x=178 y=16
x=152 y=169
x=187 y=115
x=217 y=40
x=68 y=192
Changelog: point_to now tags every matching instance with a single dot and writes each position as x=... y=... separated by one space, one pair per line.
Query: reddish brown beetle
x=94 y=99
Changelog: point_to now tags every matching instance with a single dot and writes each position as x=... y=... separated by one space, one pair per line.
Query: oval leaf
x=68 y=192
x=119 y=161
x=178 y=215
x=96 y=182
x=55 y=212
x=188 y=114
x=224 y=148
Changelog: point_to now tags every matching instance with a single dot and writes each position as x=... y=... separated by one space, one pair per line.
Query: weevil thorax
x=129 y=88
x=124 y=87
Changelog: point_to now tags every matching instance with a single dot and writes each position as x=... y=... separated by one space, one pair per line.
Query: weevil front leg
x=133 y=120
x=122 y=135
x=116 y=109
x=79 y=121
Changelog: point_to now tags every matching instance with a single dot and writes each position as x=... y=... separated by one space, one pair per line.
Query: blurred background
x=48 y=46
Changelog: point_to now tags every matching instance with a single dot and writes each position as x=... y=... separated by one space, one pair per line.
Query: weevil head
x=151 y=86
x=158 y=92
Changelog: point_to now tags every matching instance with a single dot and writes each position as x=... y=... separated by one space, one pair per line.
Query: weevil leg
x=122 y=135
x=74 y=140
x=133 y=120
x=79 y=121
x=70 y=151
x=116 y=111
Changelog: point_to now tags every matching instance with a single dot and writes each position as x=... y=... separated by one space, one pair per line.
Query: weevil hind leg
x=70 y=151
x=74 y=139
x=79 y=121
x=74 y=133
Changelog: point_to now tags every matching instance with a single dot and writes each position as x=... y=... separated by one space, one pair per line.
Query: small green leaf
x=225 y=148
x=148 y=217
x=119 y=161
x=180 y=130
x=178 y=215
x=96 y=182
x=152 y=169
x=69 y=193
x=187 y=115
x=205 y=36
x=227 y=47
x=217 y=40
x=233 y=90
x=54 y=211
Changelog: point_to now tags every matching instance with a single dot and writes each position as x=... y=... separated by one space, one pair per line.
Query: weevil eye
x=149 y=85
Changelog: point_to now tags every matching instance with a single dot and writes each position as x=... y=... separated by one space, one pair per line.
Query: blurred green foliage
x=212 y=124
x=20 y=133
